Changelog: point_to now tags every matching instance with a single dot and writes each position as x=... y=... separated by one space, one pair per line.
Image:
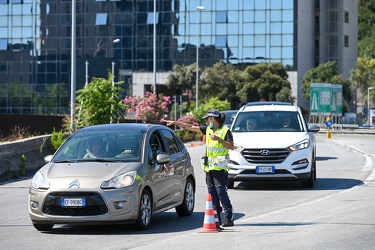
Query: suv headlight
x=300 y=145
x=120 y=181
x=237 y=147
x=39 y=181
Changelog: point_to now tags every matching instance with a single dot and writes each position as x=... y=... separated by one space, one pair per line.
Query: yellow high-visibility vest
x=217 y=154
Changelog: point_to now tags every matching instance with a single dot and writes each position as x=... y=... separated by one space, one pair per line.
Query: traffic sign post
x=329 y=125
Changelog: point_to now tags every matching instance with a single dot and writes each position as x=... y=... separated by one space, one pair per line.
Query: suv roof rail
x=268 y=103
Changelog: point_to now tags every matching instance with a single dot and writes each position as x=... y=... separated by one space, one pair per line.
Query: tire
x=43 y=227
x=310 y=182
x=144 y=219
x=230 y=184
x=187 y=206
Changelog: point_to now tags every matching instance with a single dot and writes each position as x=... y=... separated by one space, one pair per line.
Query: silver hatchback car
x=115 y=173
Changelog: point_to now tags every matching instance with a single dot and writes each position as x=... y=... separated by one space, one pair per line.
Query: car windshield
x=268 y=121
x=98 y=145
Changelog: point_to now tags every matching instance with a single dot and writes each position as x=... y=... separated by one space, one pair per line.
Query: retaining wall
x=34 y=149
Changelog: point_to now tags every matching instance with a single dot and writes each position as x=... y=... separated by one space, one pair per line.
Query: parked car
x=229 y=116
x=114 y=173
x=272 y=142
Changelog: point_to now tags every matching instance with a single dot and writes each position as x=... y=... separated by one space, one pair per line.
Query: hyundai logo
x=75 y=184
x=264 y=152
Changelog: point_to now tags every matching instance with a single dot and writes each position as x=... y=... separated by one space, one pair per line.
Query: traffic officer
x=219 y=140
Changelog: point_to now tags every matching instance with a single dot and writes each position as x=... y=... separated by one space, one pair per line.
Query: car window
x=155 y=145
x=172 y=143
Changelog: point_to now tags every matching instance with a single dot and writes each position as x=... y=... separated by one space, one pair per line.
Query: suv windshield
x=270 y=121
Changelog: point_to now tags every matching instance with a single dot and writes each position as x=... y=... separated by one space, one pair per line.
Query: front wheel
x=143 y=221
x=310 y=182
x=187 y=206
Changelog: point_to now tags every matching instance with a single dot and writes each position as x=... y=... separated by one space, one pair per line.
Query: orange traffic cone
x=209 y=224
x=204 y=139
x=217 y=222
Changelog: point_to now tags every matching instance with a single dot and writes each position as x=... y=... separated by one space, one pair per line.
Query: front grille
x=275 y=156
x=95 y=204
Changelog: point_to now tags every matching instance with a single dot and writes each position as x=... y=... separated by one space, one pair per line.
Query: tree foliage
x=98 y=102
x=362 y=75
x=212 y=103
x=220 y=81
x=325 y=73
x=366 y=28
x=182 y=77
x=264 y=81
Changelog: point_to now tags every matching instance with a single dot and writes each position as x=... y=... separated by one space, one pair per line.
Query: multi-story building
x=35 y=42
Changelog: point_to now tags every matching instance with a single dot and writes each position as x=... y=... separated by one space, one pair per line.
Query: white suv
x=272 y=141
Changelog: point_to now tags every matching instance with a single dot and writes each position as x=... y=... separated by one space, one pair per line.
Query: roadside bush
x=17 y=133
x=57 y=139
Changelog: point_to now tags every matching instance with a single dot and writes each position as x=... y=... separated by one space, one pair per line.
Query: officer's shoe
x=228 y=223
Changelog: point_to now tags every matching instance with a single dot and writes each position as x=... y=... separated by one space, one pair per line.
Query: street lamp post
x=199 y=8
x=113 y=84
x=368 y=105
x=101 y=46
x=73 y=70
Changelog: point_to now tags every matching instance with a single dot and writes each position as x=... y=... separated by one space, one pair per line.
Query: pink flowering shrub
x=150 y=108
x=131 y=103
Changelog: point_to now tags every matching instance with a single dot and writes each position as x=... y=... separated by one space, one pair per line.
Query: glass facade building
x=35 y=42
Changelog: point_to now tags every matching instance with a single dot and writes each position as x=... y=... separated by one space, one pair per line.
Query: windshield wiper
x=96 y=160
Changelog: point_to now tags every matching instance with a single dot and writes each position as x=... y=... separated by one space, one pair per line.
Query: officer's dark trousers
x=217 y=186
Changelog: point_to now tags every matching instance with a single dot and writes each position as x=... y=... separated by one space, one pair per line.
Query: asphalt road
x=337 y=214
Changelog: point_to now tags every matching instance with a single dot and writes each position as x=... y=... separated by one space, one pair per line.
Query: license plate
x=266 y=169
x=73 y=202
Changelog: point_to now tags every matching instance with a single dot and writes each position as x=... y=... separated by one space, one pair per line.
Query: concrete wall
x=34 y=149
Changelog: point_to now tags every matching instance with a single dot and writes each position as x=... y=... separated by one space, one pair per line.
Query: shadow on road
x=320 y=184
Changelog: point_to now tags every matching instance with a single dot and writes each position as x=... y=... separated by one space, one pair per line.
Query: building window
x=346 y=17
x=101 y=19
x=221 y=41
x=3 y=44
x=221 y=17
x=346 y=41
x=150 y=17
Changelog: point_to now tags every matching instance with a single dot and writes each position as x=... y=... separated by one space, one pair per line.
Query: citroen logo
x=75 y=184
x=264 y=152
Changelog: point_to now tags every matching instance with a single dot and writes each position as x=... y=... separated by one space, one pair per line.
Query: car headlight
x=301 y=145
x=237 y=147
x=120 y=181
x=39 y=182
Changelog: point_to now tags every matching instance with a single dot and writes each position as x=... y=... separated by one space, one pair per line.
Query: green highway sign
x=326 y=99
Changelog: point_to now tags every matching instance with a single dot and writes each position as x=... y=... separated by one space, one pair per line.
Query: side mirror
x=313 y=128
x=48 y=158
x=163 y=158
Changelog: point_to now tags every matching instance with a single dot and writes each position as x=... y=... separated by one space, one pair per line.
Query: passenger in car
x=95 y=149
x=251 y=124
x=285 y=121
